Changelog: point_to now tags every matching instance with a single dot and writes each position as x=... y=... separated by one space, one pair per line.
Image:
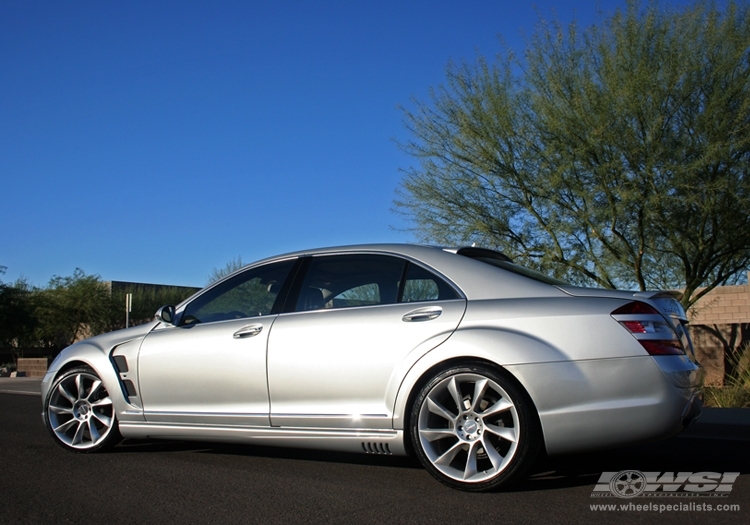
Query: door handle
x=248 y=331
x=427 y=313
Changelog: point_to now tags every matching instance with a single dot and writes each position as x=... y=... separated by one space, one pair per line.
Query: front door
x=211 y=368
x=204 y=374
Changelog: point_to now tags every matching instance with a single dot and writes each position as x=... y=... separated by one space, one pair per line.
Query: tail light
x=650 y=328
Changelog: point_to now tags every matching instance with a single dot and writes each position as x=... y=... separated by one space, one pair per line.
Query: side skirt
x=384 y=442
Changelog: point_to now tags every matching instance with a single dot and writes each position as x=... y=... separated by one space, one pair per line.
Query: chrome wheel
x=473 y=428
x=79 y=412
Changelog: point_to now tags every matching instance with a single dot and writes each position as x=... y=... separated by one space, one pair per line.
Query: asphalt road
x=172 y=482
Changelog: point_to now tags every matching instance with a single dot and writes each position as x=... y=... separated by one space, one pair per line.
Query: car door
x=211 y=367
x=360 y=322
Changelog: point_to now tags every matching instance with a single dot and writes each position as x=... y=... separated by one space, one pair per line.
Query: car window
x=367 y=294
x=249 y=294
x=343 y=281
x=423 y=285
x=500 y=260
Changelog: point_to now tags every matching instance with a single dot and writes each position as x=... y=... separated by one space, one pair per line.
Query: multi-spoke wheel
x=79 y=412
x=473 y=428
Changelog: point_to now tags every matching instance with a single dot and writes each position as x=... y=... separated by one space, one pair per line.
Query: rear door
x=359 y=323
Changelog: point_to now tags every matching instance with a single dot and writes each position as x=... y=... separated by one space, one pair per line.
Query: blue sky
x=153 y=141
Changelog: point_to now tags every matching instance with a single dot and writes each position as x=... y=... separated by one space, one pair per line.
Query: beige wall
x=719 y=310
x=725 y=304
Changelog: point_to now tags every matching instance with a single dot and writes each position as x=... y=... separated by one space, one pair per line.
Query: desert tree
x=616 y=154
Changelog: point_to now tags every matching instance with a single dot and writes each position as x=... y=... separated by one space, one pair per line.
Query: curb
x=721 y=423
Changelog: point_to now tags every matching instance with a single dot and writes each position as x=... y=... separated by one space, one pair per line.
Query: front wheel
x=79 y=412
x=473 y=428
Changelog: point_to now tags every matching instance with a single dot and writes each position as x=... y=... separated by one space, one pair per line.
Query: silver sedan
x=459 y=356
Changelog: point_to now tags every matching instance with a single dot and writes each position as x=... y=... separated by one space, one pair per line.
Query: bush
x=736 y=390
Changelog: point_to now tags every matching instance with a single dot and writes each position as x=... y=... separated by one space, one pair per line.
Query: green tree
x=17 y=319
x=616 y=155
x=219 y=273
x=71 y=308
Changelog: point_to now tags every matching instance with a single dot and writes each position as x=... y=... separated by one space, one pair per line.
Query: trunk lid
x=666 y=302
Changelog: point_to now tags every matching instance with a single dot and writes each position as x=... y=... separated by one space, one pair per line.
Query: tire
x=474 y=428
x=79 y=413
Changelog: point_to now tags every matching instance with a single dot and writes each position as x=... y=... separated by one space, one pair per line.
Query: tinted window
x=248 y=294
x=341 y=281
x=500 y=260
x=422 y=285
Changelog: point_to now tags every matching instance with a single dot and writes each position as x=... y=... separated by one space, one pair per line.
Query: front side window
x=249 y=294
x=344 y=281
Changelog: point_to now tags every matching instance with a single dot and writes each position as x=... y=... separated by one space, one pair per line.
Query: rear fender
x=501 y=347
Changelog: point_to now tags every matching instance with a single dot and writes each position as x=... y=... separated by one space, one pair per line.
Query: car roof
x=477 y=280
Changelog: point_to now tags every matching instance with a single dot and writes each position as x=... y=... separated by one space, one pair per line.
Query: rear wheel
x=79 y=413
x=473 y=428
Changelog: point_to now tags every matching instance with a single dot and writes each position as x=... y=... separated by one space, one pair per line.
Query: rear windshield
x=500 y=260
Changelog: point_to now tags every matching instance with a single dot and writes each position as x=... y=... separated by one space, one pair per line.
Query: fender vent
x=130 y=388
x=376 y=448
x=122 y=363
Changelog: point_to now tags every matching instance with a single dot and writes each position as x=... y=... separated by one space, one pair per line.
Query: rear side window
x=341 y=281
x=345 y=281
x=423 y=285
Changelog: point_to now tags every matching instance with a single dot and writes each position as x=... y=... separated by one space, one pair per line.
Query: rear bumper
x=593 y=404
x=693 y=411
x=687 y=377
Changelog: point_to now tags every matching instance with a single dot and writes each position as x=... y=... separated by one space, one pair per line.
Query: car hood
x=107 y=341
x=103 y=343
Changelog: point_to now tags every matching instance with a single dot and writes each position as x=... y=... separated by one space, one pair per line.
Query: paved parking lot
x=20 y=385
x=175 y=482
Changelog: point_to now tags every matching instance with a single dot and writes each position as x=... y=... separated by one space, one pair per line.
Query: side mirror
x=165 y=314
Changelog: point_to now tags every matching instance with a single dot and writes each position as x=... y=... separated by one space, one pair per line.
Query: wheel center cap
x=82 y=410
x=470 y=427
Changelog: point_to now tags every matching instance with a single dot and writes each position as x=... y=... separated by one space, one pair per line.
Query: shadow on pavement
x=683 y=453
x=148 y=446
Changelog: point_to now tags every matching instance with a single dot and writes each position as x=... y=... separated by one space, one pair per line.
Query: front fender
x=95 y=358
x=95 y=353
